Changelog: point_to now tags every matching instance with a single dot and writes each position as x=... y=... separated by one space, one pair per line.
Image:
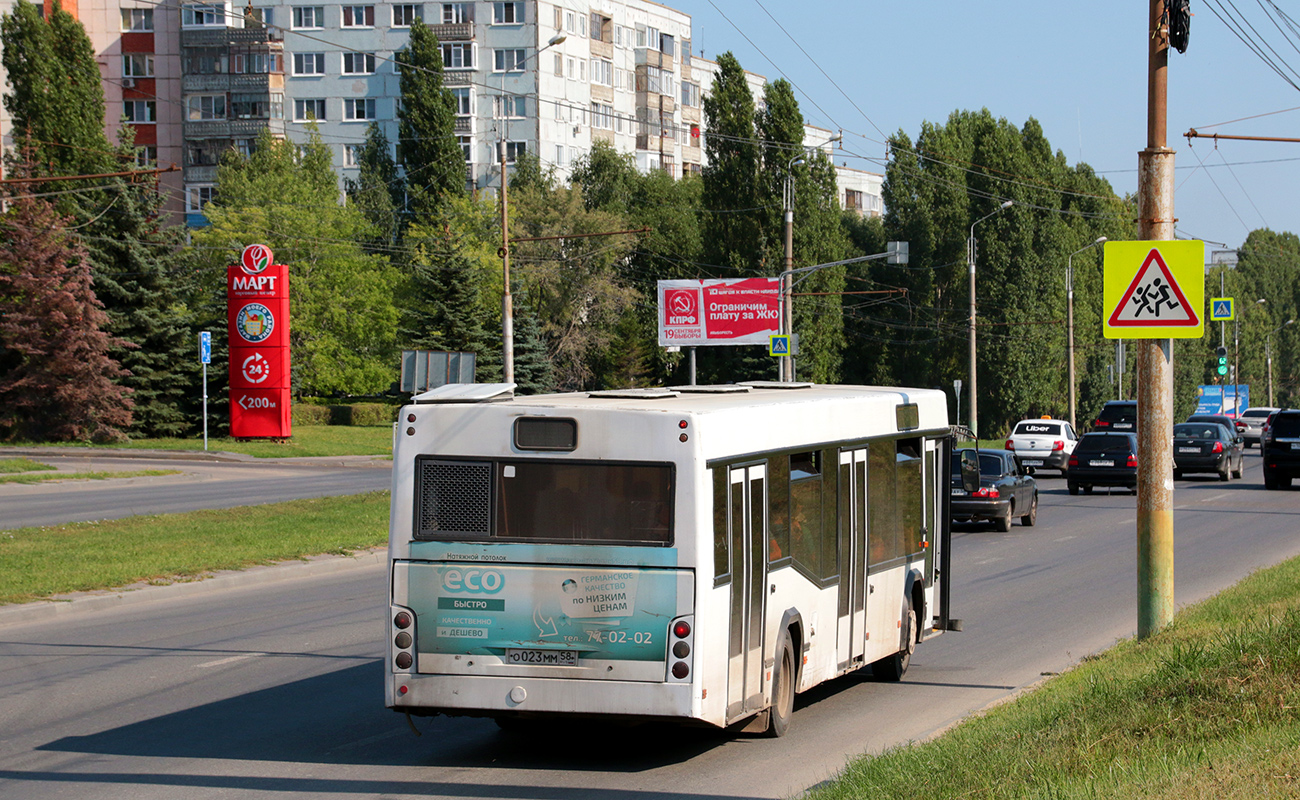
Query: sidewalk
x=86 y=602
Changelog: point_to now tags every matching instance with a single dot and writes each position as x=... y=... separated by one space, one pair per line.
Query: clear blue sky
x=1080 y=69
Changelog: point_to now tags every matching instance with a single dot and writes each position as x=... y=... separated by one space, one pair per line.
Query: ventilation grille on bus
x=453 y=498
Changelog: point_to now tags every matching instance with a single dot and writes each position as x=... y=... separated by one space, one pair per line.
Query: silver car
x=1043 y=443
x=1254 y=419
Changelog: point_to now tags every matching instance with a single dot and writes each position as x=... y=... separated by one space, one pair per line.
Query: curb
x=87 y=602
x=194 y=455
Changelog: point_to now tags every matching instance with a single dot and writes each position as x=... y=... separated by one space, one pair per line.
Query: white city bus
x=698 y=553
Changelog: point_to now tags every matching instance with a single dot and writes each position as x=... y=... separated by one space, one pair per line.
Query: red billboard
x=724 y=311
x=257 y=308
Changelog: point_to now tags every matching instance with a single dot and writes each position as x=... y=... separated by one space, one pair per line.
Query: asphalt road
x=275 y=690
x=200 y=484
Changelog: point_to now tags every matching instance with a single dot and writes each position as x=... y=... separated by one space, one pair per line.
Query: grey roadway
x=201 y=483
x=274 y=689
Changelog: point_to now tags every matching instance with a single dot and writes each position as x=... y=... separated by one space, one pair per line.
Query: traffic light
x=1222 y=353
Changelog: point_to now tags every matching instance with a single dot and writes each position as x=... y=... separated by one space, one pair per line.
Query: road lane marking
x=231 y=660
x=1214 y=497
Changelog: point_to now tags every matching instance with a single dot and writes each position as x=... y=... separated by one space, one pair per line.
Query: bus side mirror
x=970 y=471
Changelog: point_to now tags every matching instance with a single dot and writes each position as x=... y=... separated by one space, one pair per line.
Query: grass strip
x=85 y=476
x=9 y=466
x=1208 y=708
x=307 y=440
x=37 y=563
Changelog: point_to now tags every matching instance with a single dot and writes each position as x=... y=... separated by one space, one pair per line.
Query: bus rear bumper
x=493 y=696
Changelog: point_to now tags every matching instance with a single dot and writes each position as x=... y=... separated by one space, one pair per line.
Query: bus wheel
x=778 y=719
x=892 y=668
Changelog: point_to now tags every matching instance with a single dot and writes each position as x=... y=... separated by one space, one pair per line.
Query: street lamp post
x=787 y=309
x=1268 y=349
x=507 y=302
x=1069 y=318
x=970 y=260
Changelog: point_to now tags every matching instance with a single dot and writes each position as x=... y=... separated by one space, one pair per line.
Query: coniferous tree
x=379 y=190
x=444 y=295
x=534 y=373
x=56 y=376
x=434 y=161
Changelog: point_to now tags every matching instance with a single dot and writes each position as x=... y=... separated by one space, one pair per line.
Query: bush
x=362 y=414
x=309 y=414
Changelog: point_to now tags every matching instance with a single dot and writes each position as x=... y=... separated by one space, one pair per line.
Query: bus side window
x=882 y=532
x=830 y=532
x=806 y=510
x=721 y=551
x=911 y=497
x=778 y=525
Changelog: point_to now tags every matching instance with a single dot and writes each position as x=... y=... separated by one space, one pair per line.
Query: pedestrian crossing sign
x=1154 y=290
x=1222 y=309
x=778 y=344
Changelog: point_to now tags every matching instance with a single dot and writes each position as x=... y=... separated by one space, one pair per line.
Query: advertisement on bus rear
x=713 y=312
x=524 y=612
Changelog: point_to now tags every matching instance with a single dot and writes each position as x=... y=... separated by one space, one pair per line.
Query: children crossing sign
x=1154 y=290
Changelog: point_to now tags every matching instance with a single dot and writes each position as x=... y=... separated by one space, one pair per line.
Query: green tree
x=534 y=373
x=434 y=161
x=733 y=241
x=344 y=317
x=379 y=191
x=443 y=302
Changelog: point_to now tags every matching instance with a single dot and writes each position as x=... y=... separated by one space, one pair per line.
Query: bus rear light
x=682 y=424
x=402 y=620
x=681 y=670
x=681 y=650
x=402 y=690
x=683 y=437
x=403 y=660
x=680 y=655
x=682 y=629
x=403 y=640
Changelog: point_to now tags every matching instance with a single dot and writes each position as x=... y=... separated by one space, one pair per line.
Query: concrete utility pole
x=1155 y=484
x=507 y=303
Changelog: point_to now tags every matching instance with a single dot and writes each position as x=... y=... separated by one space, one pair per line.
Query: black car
x=1117 y=415
x=1006 y=490
x=1281 y=446
x=1207 y=447
x=1234 y=426
x=1103 y=459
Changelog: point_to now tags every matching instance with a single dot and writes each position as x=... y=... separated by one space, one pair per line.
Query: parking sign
x=205 y=347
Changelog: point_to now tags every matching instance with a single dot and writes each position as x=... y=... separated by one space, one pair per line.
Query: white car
x=1042 y=443
x=1254 y=419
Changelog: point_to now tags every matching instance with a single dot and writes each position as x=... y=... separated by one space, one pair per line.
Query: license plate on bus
x=1101 y=463
x=958 y=492
x=1189 y=449
x=543 y=658
x=1032 y=462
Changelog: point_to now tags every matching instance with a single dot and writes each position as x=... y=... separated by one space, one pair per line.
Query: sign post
x=205 y=357
x=257 y=294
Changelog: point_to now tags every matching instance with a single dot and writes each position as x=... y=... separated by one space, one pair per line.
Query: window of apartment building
x=358 y=16
x=206 y=15
x=246 y=147
x=514 y=150
x=582 y=25
x=561 y=155
x=666 y=45
x=196 y=197
x=204 y=60
x=137 y=65
x=257 y=63
x=511 y=60
x=559 y=110
x=403 y=16
x=307 y=109
x=507 y=13
x=458 y=55
x=308 y=63
x=602 y=28
x=140 y=111
x=602 y=116
x=351 y=155
x=358 y=108
x=690 y=94
x=205 y=106
x=571 y=22
x=457 y=13
x=137 y=19
x=510 y=107
x=852 y=200
x=466 y=146
x=570 y=68
x=308 y=16
x=358 y=63
x=602 y=72
x=582 y=69
x=146 y=156
x=258 y=16
x=559 y=65
x=257 y=106
x=654 y=81
x=667 y=163
x=464 y=101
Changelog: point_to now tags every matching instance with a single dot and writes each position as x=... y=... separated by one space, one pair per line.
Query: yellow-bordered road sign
x=1154 y=290
x=778 y=344
x=1222 y=309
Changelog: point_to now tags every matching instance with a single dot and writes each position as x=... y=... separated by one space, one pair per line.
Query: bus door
x=851 y=637
x=747 y=522
x=935 y=477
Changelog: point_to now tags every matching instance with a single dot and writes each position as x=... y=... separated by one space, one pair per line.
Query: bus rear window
x=546 y=501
